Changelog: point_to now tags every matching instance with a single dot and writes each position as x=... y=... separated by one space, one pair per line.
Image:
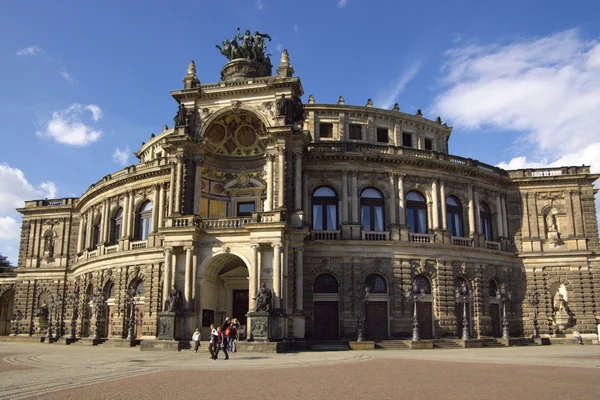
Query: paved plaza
x=76 y=372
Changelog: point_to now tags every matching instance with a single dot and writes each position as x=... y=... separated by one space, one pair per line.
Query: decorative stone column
x=197 y=188
x=277 y=275
x=443 y=198
x=161 y=206
x=172 y=189
x=89 y=226
x=253 y=281
x=504 y=216
x=80 y=233
x=130 y=215
x=392 y=201
x=299 y=304
x=155 y=207
x=281 y=178
x=401 y=211
x=178 y=184
x=571 y=222
x=471 y=211
x=298 y=182
x=125 y=226
x=167 y=275
x=269 y=205
x=499 y=222
x=189 y=253
x=435 y=208
x=344 y=197
x=476 y=211
x=354 y=177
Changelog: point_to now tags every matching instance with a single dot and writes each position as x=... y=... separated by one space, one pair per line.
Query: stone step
x=328 y=346
x=447 y=344
x=391 y=345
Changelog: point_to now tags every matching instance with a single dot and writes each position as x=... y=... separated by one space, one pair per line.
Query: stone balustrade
x=421 y=237
x=139 y=244
x=325 y=235
x=462 y=241
x=374 y=235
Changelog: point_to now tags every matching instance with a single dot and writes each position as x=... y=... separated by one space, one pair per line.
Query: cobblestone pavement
x=75 y=372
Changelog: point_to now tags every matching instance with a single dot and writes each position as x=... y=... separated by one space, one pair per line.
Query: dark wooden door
x=326 y=320
x=425 y=319
x=458 y=312
x=240 y=305
x=495 y=316
x=376 y=322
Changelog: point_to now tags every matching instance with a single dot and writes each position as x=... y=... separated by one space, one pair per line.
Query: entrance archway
x=326 y=308
x=224 y=291
x=6 y=305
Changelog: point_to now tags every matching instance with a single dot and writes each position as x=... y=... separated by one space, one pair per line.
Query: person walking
x=226 y=332
x=196 y=339
x=222 y=344
x=214 y=341
x=235 y=326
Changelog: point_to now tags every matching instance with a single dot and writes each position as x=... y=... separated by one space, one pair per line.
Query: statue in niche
x=263 y=300
x=180 y=118
x=551 y=222
x=42 y=310
x=49 y=244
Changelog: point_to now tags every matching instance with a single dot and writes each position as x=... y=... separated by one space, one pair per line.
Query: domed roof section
x=236 y=134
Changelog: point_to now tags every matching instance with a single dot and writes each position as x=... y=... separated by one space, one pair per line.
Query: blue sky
x=83 y=84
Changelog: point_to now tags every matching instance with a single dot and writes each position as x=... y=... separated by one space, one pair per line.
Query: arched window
x=109 y=290
x=371 y=210
x=485 y=218
x=325 y=283
x=493 y=289
x=138 y=286
x=416 y=212
x=144 y=218
x=324 y=209
x=116 y=227
x=421 y=285
x=376 y=283
x=96 y=232
x=454 y=214
x=460 y=287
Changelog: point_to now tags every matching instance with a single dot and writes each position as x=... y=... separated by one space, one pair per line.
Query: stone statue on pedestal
x=175 y=301
x=263 y=300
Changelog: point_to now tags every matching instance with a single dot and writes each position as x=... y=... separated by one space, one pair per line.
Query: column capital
x=255 y=247
x=281 y=150
x=276 y=245
x=188 y=248
x=353 y=173
x=270 y=157
x=299 y=250
x=168 y=250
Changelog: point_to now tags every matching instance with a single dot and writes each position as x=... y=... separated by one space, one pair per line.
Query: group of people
x=222 y=338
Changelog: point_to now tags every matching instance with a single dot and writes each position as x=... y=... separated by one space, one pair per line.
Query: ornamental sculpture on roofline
x=247 y=55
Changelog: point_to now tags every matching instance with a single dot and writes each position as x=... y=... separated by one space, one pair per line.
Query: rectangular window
x=428 y=144
x=407 y=140
x=355 y=132
x=326 y=130
x=382 y=135
x=245 y=209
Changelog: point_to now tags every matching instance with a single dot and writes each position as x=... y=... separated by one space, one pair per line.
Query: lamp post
x=503 y=295
x=50 y=312
x=534 y=300
x=362 y=326
x=131 y=300
x=58 y=304
x=74 y=302
x=98 y=301
x=462 y=295
x=415 y=295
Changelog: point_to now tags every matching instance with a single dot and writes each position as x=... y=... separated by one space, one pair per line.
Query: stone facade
x=354 y=217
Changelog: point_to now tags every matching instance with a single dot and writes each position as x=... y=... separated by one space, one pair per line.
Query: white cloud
x=67 y=76
x=9 y=228
x=548 y=88
x=66 y=126
x=16 y=189
x=260 y=4
x=279 y=47
x=342 y=3
x=296 y=28
x=121 y=157
x=29 y=51
x=386 y=100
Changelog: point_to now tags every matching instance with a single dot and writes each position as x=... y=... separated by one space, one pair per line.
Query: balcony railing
x=92 y=253
x=111 y=249
x=493 y=245
x=375 y=235
x=462 y=241
x=325 y=235
x=421 y=237
x=225 y=223
x=140 y=244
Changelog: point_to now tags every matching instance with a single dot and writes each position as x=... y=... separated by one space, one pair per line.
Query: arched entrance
x=6 y=305
x=224 y=293
x=495 y=309
x=376 y=308
x=326 y=314
x=422 y=287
